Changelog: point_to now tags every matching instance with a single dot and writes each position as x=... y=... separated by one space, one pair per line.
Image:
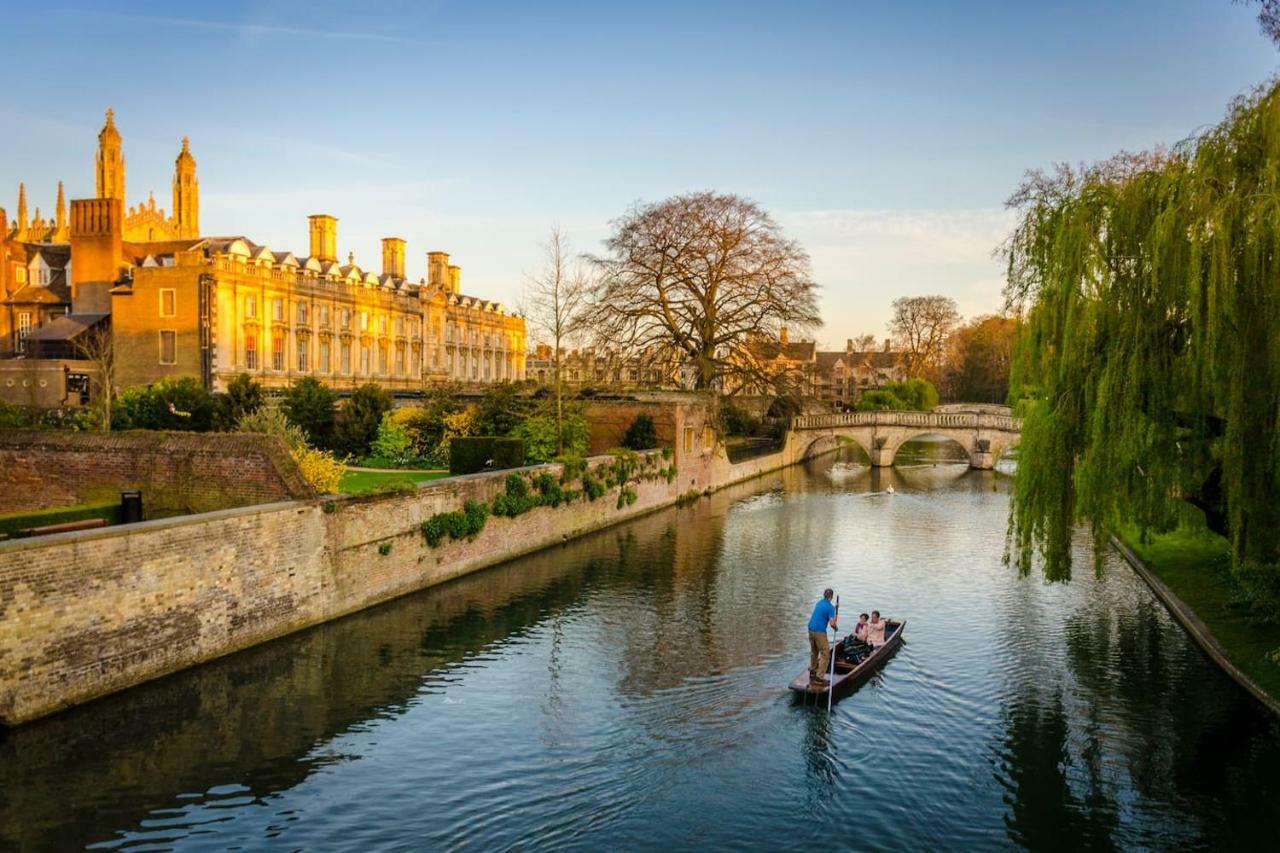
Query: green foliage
x=320 y=468
x=737 y=421
x=594 y=488
x=243 y=396
x=572 y=465
x=469 y=454
x=917 y=395
x=356 y=424
x=539 y=435
x=310 y=405
x=502 y=408
x=508 y=453
x=516 y=499
x=625 y=462
x=180 y=403
x=641 y=434
x=626 y=497
x=384 y=548
x=1150 y=343
x=462 y=524
x=14 y=524
x=392 y=442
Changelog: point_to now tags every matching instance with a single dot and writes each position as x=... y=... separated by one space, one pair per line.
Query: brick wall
x=177 y=472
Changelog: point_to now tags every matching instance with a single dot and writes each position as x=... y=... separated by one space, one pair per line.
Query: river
x=627 y=689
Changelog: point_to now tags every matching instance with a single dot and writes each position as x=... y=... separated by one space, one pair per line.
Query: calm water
x=628 y=690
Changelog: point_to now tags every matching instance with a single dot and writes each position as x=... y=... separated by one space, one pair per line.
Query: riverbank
x=1190 y=571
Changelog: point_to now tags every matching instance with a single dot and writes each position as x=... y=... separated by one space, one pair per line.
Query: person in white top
x=875 y=630
x=860 y=630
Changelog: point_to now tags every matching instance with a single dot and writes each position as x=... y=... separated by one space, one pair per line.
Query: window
x=277 y=352
x=24 y=330
x=251 y=352
x=400 y=326
x=688 y=439
x=251 y=306
x=708 y=438
x=302 y=355
x=302 y=313
x=324 y=316
x=21 y=274
x=168 y=302
x=346 y=357
x=364 y=361
x=46 y=275
x=168 y=346
x=382 y=325
x=382 y=359
x=364 y=320
x=399 y=359
x=323 y=366
x=346 y=318
x=277 y=309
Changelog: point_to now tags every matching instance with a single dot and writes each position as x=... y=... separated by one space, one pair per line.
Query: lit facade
x=178 y=303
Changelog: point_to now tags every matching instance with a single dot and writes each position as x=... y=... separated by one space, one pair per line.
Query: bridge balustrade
x=928 y=420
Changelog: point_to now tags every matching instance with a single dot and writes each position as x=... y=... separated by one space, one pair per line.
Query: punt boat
x=849 y=674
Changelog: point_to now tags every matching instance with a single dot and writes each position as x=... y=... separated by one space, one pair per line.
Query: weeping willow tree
x=1149 y=361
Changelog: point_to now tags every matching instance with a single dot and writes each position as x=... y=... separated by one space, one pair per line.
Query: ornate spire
x=110 y=161
x=186 y=193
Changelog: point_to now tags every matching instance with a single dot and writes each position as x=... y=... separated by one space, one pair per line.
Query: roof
x=792 y=351
x=35 y=294
x=66 y=327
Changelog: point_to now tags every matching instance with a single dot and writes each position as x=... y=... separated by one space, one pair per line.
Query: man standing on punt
x=824 y=614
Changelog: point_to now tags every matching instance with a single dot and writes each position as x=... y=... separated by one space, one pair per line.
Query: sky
x=883 y=136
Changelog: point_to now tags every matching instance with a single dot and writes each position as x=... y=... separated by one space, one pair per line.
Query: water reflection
x=628 y=689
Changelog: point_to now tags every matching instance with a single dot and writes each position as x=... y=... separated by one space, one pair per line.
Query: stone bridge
x=984 y=435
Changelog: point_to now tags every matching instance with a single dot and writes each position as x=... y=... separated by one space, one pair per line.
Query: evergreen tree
x=310 y=405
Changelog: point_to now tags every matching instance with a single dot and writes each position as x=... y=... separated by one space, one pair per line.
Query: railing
x=930 y=420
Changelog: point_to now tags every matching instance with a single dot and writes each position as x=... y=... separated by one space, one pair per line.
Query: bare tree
x=97 y=347
x=555 y=298
x=864 y=343
x=921 y=325
x=706 y=274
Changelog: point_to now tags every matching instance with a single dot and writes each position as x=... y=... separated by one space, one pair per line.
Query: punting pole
x=831 y=682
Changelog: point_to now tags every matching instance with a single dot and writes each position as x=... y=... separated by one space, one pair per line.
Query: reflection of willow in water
x=1086 y=757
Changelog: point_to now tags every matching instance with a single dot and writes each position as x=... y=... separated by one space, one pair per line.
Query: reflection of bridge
x=983 y=434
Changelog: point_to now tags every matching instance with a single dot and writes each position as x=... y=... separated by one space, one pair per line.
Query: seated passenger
x=860 y=630
x=875 y=630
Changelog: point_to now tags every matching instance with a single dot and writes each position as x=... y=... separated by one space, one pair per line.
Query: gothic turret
x=110 y=173
x=186 y=193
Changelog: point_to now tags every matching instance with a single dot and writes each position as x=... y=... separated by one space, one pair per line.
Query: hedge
x=470 y=454
x=14 y=524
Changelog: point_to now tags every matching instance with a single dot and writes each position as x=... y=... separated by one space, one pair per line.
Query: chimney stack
x=887 y=342
x=848 y=344
x=97 y=236
x=438 y=269
x=324 y=237
x=455 y=278
x=784 y=336
x=393 y=257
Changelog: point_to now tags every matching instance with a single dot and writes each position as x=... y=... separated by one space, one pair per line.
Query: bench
x=67 y=526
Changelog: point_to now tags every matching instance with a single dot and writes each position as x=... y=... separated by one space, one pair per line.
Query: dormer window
x=45 y=276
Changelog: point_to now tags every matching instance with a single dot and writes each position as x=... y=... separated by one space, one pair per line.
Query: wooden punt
x=848 y=675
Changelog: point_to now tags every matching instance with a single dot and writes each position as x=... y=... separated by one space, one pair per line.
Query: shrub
x=641 y=434
x=593 y=487
x=309 y=404
x=502 y=409
x=433 y=529
x=384 y=548
x=392 y=441
x=320 y=468
x=243 y=397
x=355 y=426
x=912 y=395
x=735 y=420
x=516 y=499
x=573 y=465
x=19 y=417
x=181 y=403
x=626 y=497
x=469 y=454
x=508 y=453
x=539 y=435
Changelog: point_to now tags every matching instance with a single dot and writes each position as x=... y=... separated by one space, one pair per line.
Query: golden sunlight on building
x=178 y=303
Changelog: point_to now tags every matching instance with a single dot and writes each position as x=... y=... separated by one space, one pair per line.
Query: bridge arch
x=831 y=442
x=985 y=436
x=894 y=443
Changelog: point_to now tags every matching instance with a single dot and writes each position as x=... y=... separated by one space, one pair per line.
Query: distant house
x=842 y=376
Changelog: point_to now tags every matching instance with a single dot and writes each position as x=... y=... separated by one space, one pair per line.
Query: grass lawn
x=1195 y=564
x=357 y=482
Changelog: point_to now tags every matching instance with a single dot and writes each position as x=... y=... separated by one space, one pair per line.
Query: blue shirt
x=823 y=612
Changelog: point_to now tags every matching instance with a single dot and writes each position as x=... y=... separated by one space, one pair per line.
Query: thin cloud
x=260 y=30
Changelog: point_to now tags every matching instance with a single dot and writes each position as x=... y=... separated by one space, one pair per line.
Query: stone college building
x=172 y=302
